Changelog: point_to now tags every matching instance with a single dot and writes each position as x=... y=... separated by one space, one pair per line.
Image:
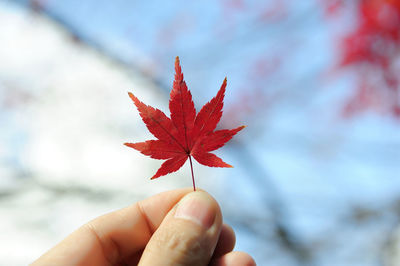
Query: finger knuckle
x=186 y=247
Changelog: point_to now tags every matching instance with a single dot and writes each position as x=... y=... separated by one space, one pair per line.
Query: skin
x=178 y=227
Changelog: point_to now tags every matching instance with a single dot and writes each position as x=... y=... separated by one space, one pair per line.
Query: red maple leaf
x=185 y=134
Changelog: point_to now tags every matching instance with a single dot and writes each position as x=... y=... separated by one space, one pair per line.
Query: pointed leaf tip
x=133 y=97
x=223 y=86
x=130 y=145
x=178 y=69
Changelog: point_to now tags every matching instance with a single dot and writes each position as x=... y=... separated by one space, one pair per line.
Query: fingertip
x=199 y=207
x=226 y=241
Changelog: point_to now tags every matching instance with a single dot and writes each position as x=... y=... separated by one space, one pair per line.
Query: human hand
x=177 y=227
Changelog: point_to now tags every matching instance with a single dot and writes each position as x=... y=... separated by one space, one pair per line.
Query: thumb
x=188 y=234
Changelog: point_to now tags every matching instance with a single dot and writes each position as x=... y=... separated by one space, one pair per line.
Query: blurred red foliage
x=372 y=49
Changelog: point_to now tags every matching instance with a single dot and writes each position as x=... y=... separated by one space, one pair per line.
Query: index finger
x=116 y=235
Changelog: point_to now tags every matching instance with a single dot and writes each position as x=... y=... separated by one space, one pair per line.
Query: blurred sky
x=304 y=174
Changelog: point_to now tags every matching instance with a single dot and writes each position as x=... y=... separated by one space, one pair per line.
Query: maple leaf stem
x=191 y=168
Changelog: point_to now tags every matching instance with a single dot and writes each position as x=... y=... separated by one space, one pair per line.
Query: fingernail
x=196 y=208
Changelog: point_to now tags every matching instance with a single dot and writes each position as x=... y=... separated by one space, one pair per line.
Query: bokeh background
x=317 y=170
